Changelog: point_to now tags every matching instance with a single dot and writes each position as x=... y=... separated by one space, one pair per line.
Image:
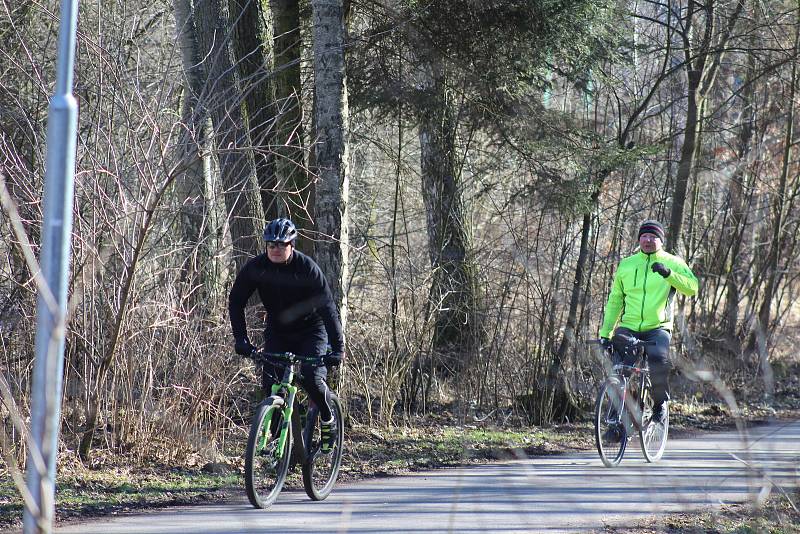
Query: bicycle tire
x=652 y=436
x=609 y=400
x=264 y=470
x=321 y=470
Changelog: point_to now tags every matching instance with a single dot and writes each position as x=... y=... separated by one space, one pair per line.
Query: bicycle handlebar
x=601 y=343
x=634 y=341
x=284 y=358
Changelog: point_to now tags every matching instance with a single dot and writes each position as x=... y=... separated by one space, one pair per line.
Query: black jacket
x=296 y=296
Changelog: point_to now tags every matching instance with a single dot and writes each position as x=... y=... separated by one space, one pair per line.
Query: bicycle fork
x=283 y=432
x=615 y=415
x=632 y=415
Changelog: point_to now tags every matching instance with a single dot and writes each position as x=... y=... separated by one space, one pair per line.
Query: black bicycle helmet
x=281 y=230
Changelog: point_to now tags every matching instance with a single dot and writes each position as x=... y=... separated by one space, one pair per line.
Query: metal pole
x=51 y=304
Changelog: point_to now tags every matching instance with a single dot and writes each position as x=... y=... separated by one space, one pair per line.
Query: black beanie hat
x=652 y=227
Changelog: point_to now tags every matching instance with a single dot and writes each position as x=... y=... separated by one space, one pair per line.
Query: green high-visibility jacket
x=641 y=299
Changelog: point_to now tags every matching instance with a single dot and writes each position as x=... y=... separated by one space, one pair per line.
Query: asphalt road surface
x=567 y=493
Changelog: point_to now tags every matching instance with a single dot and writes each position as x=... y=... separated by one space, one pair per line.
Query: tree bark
x=223 y=97
x=331 y=147
x=294 y=182
x=253 y=45
x=192 y=195
x=454 y=292
x=685 y=164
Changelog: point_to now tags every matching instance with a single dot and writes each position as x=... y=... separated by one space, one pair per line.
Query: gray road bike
x=624 y=407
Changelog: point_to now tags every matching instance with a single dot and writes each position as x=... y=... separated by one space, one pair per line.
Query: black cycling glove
x=243 y=347
x=333 y=359
x=661 y=269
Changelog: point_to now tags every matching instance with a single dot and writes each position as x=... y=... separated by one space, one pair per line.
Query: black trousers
x=657 y=358
x=313 y=379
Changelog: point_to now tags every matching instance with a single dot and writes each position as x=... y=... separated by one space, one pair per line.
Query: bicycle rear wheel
x=610 y=432
x=652 y=435
x=320 y=469
x=265 y=466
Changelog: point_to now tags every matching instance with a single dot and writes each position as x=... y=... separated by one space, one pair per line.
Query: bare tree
x=732 y=264
x=703 y=44
x=222 y=96
x=782 y=201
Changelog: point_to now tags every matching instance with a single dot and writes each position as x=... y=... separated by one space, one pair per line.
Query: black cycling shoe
x=612 y=434
x=659 y=416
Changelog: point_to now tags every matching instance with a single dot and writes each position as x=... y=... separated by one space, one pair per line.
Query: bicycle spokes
x=322 y=469
x=267 y=456
x=653 y=436
x=611 y=434
x=625 y=405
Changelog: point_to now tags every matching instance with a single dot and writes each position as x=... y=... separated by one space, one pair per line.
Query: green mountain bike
x=285 y=432
x=624 y=406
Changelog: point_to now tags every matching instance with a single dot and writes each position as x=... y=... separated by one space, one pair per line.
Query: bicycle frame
x=639 y=372
x=623 y=406
x=286 y=390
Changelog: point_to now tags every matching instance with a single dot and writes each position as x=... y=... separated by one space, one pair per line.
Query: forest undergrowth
x=112 y=484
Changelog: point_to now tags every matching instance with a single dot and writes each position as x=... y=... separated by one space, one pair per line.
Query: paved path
x=566 y=493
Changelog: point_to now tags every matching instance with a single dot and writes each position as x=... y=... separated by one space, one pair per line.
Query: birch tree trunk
x=331 y=147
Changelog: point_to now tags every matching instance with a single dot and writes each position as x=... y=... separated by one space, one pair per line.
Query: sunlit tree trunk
x=331 y=146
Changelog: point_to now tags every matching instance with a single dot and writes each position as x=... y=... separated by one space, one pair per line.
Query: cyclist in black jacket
x=301 y=315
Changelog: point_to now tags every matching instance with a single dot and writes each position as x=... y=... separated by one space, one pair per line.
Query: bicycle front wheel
x=321 y=469
x=610 y=432
x=652 y=434
x=266 y=463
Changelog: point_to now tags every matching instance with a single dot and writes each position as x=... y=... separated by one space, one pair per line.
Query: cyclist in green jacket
x=641 y=301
